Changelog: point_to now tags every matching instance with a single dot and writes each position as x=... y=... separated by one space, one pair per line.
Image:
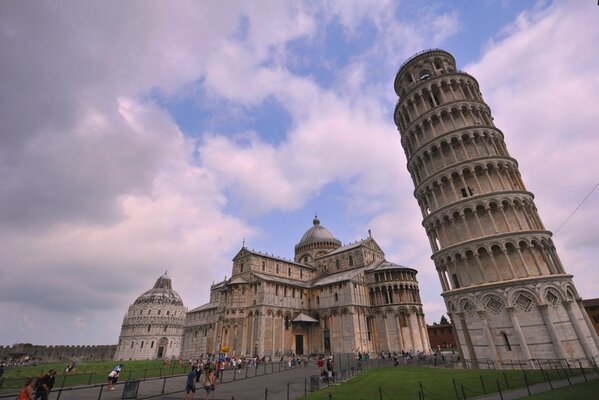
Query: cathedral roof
x=206 y=306
x=384 y=264
x=348 y=247
x=338 y=277
x=161 y=293
x=285 y=281
x=317 y=233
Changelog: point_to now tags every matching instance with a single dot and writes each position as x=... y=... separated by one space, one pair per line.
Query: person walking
x=190 y=387
x=209 y=383
x=26 y=392
x=44 y=385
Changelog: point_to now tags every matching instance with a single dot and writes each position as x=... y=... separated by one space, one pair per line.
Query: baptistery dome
x=317 y=241
x=153 y=325
x=161 y=293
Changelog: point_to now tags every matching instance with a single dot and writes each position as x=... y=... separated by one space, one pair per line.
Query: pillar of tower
x=489 y=245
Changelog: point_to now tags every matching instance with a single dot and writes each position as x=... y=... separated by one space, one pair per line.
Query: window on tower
x=456 y=282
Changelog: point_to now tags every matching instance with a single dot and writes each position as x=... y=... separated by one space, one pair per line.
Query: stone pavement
x=273 y=385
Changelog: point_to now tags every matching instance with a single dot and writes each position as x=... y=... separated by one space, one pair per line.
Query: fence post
x=482 y=382
x=549 y=381
x=499 y=389
x=59 y=393
x=582 y=371
x=246 y=372
x=421 y=389
x=567 y=377
x=507 y=384
x=287 y=390
x=305 y=386
x=163 y=384
x=265 y=393
x=100 y=394
x=89 y=381
x=145 y=373
x=463 y=392
x=64 y=377
x=557 y=370
x=455 y=388
x=526 y=382
x=569 y=368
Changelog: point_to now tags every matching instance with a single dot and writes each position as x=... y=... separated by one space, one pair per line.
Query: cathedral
x=331 y=298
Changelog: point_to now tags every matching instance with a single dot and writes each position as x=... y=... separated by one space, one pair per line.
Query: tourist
x=329 y=369
x=209 y=383
x=320 y=364
x=26 y=392
x=113 y=377
x=44 y=385
x=190 y=387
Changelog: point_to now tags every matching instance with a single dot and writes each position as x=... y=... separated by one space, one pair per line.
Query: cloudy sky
x=138 y=137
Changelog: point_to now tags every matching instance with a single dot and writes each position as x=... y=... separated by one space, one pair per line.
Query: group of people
x=326 y=367
x=43 y=385
x=195 y=376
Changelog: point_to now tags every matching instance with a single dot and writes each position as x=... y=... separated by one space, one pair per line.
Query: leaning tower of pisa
x=504 y=286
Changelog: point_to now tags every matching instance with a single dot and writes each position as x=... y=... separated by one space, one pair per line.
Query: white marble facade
x=503 y=282
x=153 y=325
x=330 y=298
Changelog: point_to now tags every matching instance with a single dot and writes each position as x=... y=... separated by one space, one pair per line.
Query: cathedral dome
x=317 y=233
x=317 y=241
x=161 y=293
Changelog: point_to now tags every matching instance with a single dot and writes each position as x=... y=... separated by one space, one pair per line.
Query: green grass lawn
x=437 y=383
x=91 y=372
x=581 y=391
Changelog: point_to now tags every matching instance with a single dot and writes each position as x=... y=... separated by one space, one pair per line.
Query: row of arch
x=485 y=176
x=422 y=71
x=453 y=149
x=501 y=259
x=430 y=95
x=522 y=298
x=394 y=294
x=443 y=120
x=481 y=218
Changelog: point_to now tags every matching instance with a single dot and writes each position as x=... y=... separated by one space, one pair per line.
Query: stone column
x=587 y=320
x=244 y=336
x=492 y=348
x=467 y=338
x=386 y=331
x=578 y=329
x=423 y=337
x=413 y=331
x=520 y=335
x=399 y=334
x=557 y=343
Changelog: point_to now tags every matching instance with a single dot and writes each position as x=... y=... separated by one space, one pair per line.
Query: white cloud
x=102 y=191
x=541 y=82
